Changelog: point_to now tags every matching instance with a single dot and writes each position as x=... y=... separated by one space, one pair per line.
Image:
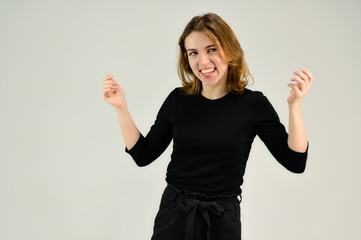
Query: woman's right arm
x=114 y=95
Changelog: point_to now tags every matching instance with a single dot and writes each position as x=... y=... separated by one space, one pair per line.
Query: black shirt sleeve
x=272 y=132
x=149 y=148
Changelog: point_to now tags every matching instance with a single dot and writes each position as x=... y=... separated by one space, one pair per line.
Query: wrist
x=121 y=109
x=294 y=105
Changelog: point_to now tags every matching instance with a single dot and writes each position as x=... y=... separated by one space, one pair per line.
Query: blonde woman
x=212 y=119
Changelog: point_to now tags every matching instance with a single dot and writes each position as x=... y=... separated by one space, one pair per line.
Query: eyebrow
x=193 y=49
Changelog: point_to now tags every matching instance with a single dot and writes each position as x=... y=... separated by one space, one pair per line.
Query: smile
x=207 y=71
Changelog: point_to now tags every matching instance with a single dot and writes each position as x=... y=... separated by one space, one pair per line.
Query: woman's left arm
x=297 y=139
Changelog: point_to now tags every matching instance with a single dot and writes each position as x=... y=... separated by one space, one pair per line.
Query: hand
x=300 y=87
x=112 y=92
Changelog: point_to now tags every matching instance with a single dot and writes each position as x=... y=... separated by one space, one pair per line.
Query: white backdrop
x=63 y=170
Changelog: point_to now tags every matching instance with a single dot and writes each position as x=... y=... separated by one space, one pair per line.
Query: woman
x=212 y=120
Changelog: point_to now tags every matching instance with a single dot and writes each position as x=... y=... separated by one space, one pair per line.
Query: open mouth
x=208 y=71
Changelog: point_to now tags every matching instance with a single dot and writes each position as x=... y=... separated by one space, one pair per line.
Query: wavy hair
x=219 y=32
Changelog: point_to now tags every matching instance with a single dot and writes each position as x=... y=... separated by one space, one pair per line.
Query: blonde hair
x=218 y=31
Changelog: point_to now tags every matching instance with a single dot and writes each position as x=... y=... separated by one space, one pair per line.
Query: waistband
x=185 y=194
x=206 y=207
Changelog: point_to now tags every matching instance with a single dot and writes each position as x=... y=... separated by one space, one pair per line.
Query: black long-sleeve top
x=212 y=140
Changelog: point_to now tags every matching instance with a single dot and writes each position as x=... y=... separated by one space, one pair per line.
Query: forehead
x=197 y=40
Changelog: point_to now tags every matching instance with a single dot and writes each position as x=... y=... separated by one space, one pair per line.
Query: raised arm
x=297 y=139
x=114 y=95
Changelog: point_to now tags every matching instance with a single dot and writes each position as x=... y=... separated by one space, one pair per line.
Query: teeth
x=207 y=71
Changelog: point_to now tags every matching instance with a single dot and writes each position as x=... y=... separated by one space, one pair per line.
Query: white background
x=63 y=170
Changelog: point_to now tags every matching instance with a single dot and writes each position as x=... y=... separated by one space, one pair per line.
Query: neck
x=213 y=92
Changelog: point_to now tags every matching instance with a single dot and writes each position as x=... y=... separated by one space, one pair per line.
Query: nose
x=204 y=59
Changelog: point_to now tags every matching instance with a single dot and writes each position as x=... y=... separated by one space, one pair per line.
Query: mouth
x=207 y=71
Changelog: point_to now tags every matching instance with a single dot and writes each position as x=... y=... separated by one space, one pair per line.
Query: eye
x=192 y=53
x=212 y=50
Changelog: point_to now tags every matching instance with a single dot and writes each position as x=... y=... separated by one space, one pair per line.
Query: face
x=205 y=60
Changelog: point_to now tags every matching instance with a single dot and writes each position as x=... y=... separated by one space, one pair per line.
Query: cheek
x=193 y=67
x=223 y=67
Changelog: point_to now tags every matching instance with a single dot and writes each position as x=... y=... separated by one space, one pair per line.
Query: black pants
x=189 y=216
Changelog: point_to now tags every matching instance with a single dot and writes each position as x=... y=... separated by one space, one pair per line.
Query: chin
x=210 y=82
